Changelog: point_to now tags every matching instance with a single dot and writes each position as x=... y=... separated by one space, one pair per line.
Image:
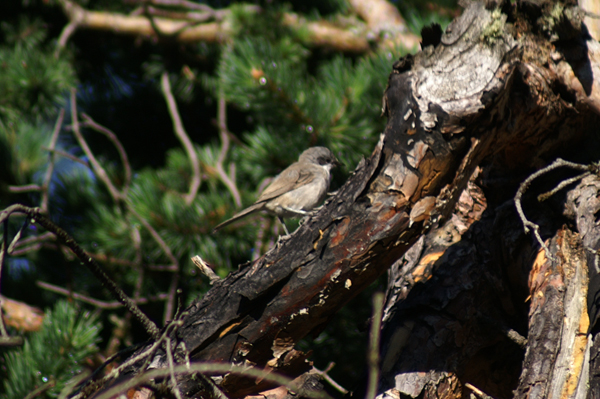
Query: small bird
x=296 y=190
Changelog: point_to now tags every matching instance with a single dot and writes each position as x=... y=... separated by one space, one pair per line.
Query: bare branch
x=66 y=33
x=525 y=185
x=35 y=239
x=24 y=189
x=98 y=169
x=222 y=368
x=224 y=134
x=330 y=380
x=84 y=257
x=478 y=392
x=183 y=137
x=96 y=302
x=163 y=245
x=41 y=389
x=374 y=337
x=88 y=121
x=563 y=184
x=68 y=156
x=171 y=297
x=3 y=250
x=317 y=33
x=205 y=269
x=175 y=387
x=50 y=170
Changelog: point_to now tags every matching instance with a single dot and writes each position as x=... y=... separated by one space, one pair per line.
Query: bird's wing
x=288 y=180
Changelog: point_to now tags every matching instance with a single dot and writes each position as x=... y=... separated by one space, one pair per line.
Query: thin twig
x=124 y=352
x=163 y=245
x=220 y=368
x=373 y=354
x=66 y=33
x=125 y=262
x=175 y=387
x=50 y=170
x=96 y=302
x=183 y=138
x=136 y=237
x=31 y=248
x=330 y=380
x=146 y=354
x=72 y=383
x=41 y=389
x=205 y=269
x=17 y=237
x=172 y=297
x=68 y=156
x=35 y=239
x=525 y=185
x=3 y=250
x=98 y=169
x=86 y=259
x=563 y=184
x=224 y=134
x=88 y=121
x=510 y=333
x=478 y=392
x=25 y=188
x=162 y=268
x=170 y=305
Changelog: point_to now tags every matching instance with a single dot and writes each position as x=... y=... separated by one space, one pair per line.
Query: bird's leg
x=296 y=211
x=287 y=233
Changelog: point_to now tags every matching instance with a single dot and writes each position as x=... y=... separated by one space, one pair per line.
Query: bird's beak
x=336 y=162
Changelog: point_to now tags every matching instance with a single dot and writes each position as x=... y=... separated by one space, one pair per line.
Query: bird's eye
x=322 y=161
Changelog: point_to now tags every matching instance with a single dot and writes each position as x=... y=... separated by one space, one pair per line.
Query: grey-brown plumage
x=295 y=191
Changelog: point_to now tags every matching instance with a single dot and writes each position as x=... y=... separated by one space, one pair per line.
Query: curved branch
x=224 y=133
x=98 y=169
x=183 y=137
x=88 y=121
x=86 y=259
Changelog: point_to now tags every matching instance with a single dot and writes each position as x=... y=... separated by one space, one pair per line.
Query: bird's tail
x=237 y=216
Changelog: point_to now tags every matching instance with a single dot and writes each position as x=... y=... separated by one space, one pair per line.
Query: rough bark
x=506 y=89
x=457 y=327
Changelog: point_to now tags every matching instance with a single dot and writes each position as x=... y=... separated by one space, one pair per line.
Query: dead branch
x=87 y=260
x=319 y=34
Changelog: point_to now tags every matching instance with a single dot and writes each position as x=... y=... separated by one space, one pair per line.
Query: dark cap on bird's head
x=319 y=156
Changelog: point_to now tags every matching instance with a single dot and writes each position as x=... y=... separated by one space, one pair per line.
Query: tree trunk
x=503 y=92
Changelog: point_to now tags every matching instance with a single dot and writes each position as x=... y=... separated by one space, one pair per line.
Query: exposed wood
x=558 y=321
x=583 y=204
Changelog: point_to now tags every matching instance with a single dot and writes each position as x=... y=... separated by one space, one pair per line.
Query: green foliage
x=337 y=107
x=54 y=355
x=32 y=79
x=23 y=149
